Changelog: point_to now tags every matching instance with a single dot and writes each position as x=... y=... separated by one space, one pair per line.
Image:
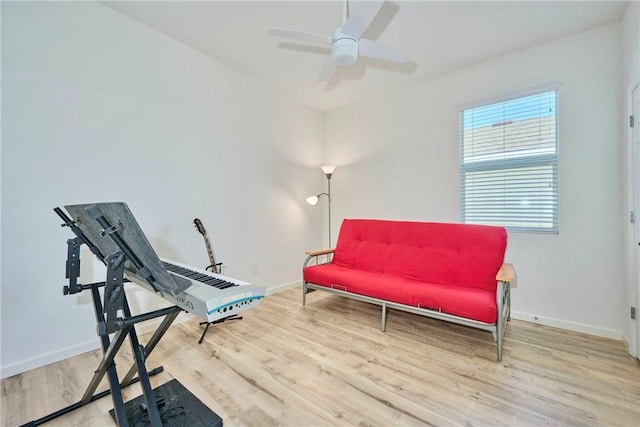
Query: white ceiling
x=440 y=36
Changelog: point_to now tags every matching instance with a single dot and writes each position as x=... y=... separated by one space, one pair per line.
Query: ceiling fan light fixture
x=344 y=50
x=347 y=43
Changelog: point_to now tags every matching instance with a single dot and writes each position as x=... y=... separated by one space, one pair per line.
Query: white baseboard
x=625 y=340
x=534 y=318
x=630 y=348
x=47 y=358
x=74 y=350
x=569 y=325
x=64 y=353
x=283 y=287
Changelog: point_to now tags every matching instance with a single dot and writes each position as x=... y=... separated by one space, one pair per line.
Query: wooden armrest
x=320 y=252
x=506 y=273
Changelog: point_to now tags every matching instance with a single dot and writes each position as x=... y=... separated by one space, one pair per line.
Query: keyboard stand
x=110 y=348
x=115 y=324
x=215 y=322
x=213 y=268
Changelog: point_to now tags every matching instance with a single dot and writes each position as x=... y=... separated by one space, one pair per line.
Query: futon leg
x=508 y=302
x=500 y=339
x=503 y=303
x=384 y=317
x=304 y=293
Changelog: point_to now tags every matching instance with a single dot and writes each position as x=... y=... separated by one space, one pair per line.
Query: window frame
x=496 y=164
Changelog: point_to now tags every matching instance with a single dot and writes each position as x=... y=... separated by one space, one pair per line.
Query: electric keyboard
x=208 y=295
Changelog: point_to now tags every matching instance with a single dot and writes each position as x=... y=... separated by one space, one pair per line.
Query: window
x=509 y=164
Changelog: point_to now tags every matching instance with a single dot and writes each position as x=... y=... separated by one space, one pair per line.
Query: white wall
x=398 y=158
x=96 y=107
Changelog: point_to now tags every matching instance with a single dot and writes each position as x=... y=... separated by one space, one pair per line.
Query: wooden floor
x=328 y=364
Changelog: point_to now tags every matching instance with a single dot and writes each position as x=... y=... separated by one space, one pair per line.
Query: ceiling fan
x=346 y=44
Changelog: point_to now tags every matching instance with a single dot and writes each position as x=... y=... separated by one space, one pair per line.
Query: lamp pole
x=328 y=171
x=329 y=196
x=313 y=200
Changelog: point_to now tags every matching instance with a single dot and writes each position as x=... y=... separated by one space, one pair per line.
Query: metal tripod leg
x=145 y=384
x=215 y=322
x=112 y=374
x=157 y=335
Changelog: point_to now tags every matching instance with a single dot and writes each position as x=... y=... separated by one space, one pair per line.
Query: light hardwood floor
x=328 y=364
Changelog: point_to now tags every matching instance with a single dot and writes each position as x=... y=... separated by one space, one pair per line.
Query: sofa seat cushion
x=473 y=303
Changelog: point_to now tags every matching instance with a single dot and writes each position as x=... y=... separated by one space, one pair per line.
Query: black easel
x=128 y=251
x=122 y=327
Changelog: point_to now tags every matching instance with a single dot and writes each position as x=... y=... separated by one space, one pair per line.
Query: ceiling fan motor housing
x=344 y=49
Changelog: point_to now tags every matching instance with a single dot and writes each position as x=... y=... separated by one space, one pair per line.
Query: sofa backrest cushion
x=443 y=253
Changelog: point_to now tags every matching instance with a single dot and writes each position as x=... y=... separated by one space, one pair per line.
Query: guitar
x=212 y=258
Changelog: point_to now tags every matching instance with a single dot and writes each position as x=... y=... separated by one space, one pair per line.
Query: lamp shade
x=328 y=170
x=313 y=200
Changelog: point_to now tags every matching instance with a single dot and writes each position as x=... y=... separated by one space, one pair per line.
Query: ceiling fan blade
x=328 y=70
x=301 y=35
x=378 y=50
x=361 y=14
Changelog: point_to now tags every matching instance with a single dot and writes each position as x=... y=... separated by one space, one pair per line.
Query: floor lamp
x=313 y=200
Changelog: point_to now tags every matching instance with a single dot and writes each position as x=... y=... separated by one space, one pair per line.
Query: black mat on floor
x=177 y=407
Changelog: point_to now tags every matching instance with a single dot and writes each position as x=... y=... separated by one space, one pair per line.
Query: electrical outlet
x=254 y=268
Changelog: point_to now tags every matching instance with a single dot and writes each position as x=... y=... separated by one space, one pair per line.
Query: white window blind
x=509 y=164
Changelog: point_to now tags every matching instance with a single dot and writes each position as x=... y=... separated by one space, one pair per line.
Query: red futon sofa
x=453 y=272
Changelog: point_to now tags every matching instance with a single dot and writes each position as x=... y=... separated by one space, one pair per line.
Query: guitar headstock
x=199 y=226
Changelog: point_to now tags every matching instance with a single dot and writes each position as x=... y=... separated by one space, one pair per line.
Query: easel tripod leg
x=112 y=374
x=147 y=391
x=157 y=335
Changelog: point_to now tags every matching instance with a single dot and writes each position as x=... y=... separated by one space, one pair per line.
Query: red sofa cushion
x=448 y=254
x=468 y=302
x=446 y=267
